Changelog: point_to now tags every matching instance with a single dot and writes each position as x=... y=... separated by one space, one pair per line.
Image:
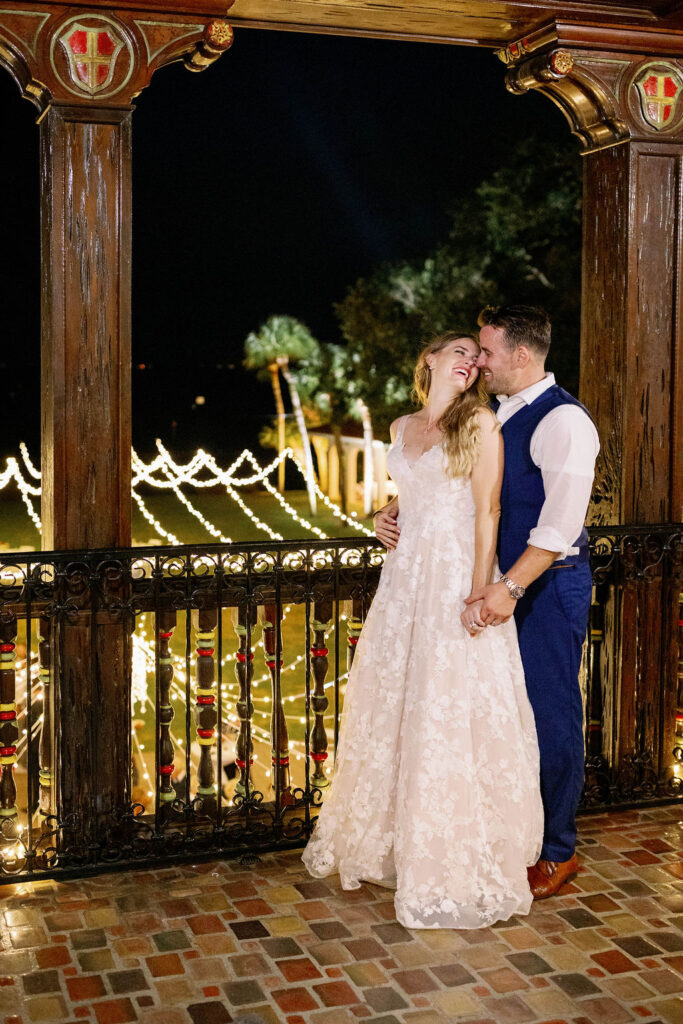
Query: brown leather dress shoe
x=547 y=876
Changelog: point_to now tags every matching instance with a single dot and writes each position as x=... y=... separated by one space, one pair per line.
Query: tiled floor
x=222 y=942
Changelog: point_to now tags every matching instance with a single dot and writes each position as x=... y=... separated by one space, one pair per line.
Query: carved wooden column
x=622 y=92
x=82 y=67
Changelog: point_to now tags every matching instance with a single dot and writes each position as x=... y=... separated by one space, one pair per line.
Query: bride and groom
x=460 y=761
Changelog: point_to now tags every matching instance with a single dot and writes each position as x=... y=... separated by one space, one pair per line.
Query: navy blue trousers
x=551 y=622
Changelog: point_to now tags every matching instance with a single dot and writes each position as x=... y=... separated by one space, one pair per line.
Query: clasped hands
x=487 y=606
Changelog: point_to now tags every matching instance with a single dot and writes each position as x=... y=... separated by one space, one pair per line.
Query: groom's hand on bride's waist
x=497 y=603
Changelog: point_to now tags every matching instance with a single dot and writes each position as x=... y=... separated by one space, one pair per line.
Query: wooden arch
x=615 y=69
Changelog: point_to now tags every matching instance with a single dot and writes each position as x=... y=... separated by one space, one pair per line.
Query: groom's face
x=496 y=361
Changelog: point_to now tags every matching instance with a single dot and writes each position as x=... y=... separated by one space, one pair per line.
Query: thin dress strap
x=399 y=429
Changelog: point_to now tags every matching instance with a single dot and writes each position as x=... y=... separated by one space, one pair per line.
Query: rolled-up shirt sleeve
x=564 y=446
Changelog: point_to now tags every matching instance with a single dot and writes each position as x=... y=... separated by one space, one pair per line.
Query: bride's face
x=455 y=365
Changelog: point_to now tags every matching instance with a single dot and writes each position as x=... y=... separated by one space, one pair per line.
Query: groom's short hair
x=523 y=325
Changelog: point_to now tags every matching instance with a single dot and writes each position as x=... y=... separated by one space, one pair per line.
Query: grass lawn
x=17 y=531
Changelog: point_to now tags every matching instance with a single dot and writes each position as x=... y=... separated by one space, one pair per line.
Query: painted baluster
x=244 y=670
x=206 y=715
x=354 y=626
x=319 y=702
x=9 y=731
x=166 y=622
x=45 y=770
x=594 y=709
x=278 y=723
x=679 y=688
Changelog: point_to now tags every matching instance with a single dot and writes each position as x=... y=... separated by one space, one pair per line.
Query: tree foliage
x=280 y=339
x=515 y=238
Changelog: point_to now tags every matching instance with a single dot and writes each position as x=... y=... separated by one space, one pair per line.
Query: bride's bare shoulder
x=487 y=419
x=396 y=426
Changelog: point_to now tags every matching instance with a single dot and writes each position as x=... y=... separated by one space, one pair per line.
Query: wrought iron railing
x=162 y=702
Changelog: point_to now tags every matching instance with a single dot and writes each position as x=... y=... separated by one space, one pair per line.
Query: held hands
x=386 y=528
x=494 y=603
x=472 y=620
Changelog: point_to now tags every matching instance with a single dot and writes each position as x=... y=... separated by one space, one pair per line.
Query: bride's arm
x=487 y=479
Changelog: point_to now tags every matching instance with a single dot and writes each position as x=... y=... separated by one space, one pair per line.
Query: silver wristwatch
x=516 y=589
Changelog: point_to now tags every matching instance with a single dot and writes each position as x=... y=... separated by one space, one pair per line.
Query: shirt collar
x=530 y=394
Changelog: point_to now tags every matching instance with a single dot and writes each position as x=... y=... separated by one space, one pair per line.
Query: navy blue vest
x=522 y=494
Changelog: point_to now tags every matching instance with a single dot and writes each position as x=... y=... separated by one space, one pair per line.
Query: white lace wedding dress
x=436 y=781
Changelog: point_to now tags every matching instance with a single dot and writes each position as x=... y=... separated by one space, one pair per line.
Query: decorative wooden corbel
x=98 y=57
x=608 y=94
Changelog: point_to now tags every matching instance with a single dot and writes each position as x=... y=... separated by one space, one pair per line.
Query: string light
x=163 y=473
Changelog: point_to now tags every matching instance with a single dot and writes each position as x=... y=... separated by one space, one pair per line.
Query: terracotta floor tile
x=606 y=1010
x=165 y=964
x=115 y=1011
x=89 y=987
x=294 y=1000
x=335 y=993
x=365 y=975
x=614 y=962
x=209 y=1012
x=365 y=949
x=205 y=924
x=384 y=998
x=298 y=969
x=312 y=910
x=413 y=982
x=452 y=975
x=45 y=1008
x=277 y=948
x=53 y=956
x=664 y=982
x=242 y=993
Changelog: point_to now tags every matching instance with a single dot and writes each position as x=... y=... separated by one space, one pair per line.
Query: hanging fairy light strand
x=201 y=472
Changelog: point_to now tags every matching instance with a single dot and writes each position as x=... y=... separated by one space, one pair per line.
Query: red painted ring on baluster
x=271 y=664
x=205 y=652
x=283 y=761
x=242 y=657
x=166 y=769
x=7 y=751
x=6 y=647
x=7 y=716
x=205 y=700
x=165 y=636
x=319 y=757
x=243 y=764
x=205 y=733
x=319 y=652
x=353 y=640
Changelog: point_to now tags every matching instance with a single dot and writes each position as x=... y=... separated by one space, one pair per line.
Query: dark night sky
x=267 y=184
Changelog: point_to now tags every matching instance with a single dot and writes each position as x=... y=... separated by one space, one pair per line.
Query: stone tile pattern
x=223 y=941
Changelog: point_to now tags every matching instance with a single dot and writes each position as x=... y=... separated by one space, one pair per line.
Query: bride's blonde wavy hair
x=459 y=423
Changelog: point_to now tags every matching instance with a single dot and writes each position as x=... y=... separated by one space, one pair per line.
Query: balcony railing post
x=272 y=646
x=45 y=748
x=319 y=702
x=354 y=627
x=166 y=623
x=244 y=670
x=9 y=733
x=206 y=715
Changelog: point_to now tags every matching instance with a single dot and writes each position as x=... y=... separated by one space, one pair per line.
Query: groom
x=550 y=450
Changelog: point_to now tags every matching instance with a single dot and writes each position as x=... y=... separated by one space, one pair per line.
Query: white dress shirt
x=564 y=446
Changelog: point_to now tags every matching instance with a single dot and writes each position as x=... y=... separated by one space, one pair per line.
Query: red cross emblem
x=659 y=93
x=92 y=54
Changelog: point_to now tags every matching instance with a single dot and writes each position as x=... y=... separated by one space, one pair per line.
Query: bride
x=436 y=784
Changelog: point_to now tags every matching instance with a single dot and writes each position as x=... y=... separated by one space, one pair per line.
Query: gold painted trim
x=25 y=14
x=191 y=30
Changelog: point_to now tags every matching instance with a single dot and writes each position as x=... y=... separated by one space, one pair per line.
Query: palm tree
x=280 y=342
